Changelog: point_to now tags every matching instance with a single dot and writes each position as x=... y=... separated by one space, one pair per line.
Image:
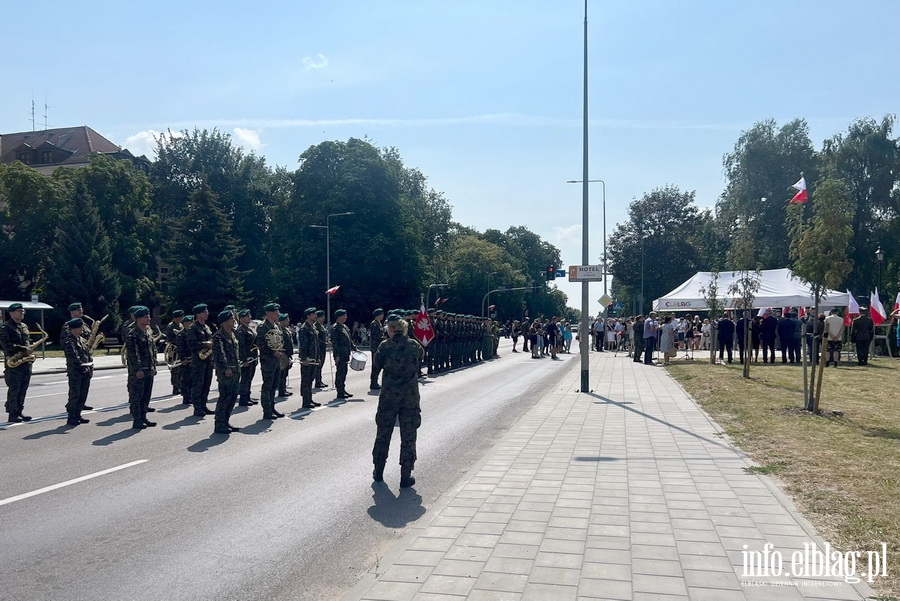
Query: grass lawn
x=843 y=472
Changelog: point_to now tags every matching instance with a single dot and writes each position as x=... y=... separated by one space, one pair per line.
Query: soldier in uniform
x=14 y=338
x=184 y=359
x=248 y=354
x=342 y=346
x=284 y=321
x=268 y=359
x=399 y=358
x=322 y=333
x=225 y=349
x=172 y=331
x=79 y=369
x=376 y=335
x=199 y=341
x=75 y=310
x=308 y=351
x=141 y=368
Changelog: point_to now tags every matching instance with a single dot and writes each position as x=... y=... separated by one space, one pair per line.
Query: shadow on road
x=108 y=440
x=190 y=420
x=395 y=511
x=119 y=419
x=261 y=426
x=63 y=429
x=206 y=444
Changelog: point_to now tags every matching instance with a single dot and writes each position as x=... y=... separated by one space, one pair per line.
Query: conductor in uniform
x=398 y=357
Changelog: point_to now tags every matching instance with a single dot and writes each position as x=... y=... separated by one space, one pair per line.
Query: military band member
x=141 y=367
x=79 y=369
x=376 y=335
x=249 y=355
x=399 y=358
x=284 y=322
x=172 y=331
x=15 y=339
x=228 y=371
x=184 y=359
x=75 y=310
x=308 y=351
x=268 y=359
x=199 y=341
x=341 y=347
x=322 y=333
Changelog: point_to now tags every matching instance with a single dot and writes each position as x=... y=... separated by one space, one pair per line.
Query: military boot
x=406 y=479
x=139 y=424
x=378 y=472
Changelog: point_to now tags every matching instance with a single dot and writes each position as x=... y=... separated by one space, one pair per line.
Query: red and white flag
x=897 y=302
x=879 y=315
x=422 y=329
x=801 y=195
x=332 y=291
x=802 y=312
x=852 y=309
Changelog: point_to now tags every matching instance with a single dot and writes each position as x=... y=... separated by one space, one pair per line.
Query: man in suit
x=726 y=336
x=862 y=333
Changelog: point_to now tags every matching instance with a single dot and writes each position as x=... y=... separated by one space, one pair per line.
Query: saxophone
x=205 y=353
x=23 y=357
x=276 y=343
x=96 y=337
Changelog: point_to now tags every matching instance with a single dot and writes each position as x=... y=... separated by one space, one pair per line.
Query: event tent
x=777 y=288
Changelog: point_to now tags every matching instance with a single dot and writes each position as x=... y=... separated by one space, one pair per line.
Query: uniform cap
x=283 y=316
x=15 y=307
x=309 y=310
x=320 y=313
x=243 y=312
x=225 y=316
x=188 y=318
x=141 y=311
x=377 y=312
x=74 y=306
x=272 y=307
x=177 y=313
x=200 y=308
x=339 y=312
x=76 y=322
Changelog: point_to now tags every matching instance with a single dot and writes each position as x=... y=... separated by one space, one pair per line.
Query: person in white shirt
x=834 y=335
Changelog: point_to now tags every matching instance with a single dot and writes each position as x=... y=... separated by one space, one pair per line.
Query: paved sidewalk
x=624 y=493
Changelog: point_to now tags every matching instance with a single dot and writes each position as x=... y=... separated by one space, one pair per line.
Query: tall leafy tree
x=470 y=256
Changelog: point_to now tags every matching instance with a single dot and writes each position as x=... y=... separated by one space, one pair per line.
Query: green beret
x=229 y=308
x=188 y=318
x=141 y=311
x=393 y=317
x=200 y=308
x=377 y=312
x=243 y=312
x=320 y=313
x=132 y=309
x=283 y=316
x=177 y=313
x=272 y=307
x=15 y=307
x=309 y=310
x=225 y=316
x=74 y=306
x=77 y=322
x=339 y=312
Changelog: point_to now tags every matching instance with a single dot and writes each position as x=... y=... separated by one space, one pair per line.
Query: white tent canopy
x=777 y=288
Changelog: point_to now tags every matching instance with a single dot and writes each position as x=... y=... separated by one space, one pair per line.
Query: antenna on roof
x=45 y=112
x=32 y=111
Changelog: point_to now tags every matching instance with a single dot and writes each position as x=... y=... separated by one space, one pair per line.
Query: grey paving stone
x=562 y=560
x=711 y=579
x=591 y=588
x=392 y=591
x=665 y=585
x=406 y=573
x=489 y=595
x=606 y=571
x=448 y=585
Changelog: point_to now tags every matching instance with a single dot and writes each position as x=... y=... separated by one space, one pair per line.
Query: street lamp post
x=327 y=228
x=603 y=258
x=428 y=295
x=879 y=261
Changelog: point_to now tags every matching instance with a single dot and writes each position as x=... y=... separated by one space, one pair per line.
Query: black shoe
x=139 y=425
x=277 y=414
x=233 y=428
x=82 y=420
x=148 y=423
x=27 y=418
x=208 y=411
x=268 y=416
x=321 y=385
x=185 y=402
x=374 y=386
x=378 y=473
x=252 y=402
x=87 y=408
x=407 y=482
x=199 y=414
x=222 y=430
x=15 y=418
x=315 y=404
x=244 y=405
x=73 y=422
x=151 y=409
x=345 y=395
x=306 y=406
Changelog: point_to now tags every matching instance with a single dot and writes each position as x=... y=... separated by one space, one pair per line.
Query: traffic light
x=551 y=273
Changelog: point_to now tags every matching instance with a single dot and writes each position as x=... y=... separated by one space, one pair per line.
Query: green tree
x=204 y=256
x=469 y=258
x=80 y=267
x=819 y=250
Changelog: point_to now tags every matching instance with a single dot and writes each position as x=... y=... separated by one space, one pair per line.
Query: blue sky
x=484 y=97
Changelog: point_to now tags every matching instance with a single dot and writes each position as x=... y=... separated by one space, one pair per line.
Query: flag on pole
x=852 y=310
x=879 y=315
x=422 y=329
x=802 y=313
x=332 y=291
x=800 y=196
x=897 y=302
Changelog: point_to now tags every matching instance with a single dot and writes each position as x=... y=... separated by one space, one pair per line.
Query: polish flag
x=879 y=315
x=802 y=312
x=422 y=329
x=852 y=310
x=332 y=291
x=897 y=302
x=800 y=196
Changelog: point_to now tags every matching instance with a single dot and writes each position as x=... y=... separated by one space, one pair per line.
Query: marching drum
x=357 y=360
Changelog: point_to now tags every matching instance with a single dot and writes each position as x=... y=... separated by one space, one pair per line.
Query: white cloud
x=143 y=142
x=567 y=236
x=247 y=138
x=314 y=62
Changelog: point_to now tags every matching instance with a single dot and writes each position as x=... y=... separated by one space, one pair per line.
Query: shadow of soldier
x=395 y=511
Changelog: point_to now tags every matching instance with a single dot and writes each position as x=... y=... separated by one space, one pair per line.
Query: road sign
x=585 y=273
x=605 y=300
x=560 y=273
x=618 y=306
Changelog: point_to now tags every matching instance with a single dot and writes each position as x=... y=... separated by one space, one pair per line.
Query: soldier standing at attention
x=376 y=335
x=79 y=369
x=184 y=359
x=228 y=371
x=14 y=338
x=341 y=347
x=172 y=331
x=399 y=358
x=141 y=368
x=287 y=335
x=248 y=354
x=75 y=310
x=322 y=333
x=308 y=351
x=199 y=340
x=268 y=360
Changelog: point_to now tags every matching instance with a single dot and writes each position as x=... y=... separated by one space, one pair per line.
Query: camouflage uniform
x=201 y=370
x=140 y=358
x=225 y=349
x=307 y=350
x=15 y=338
x=271 y=372
x=376 y=335
x=184 y=358
x=342 y=346
x=78 y=374
x=172 y=331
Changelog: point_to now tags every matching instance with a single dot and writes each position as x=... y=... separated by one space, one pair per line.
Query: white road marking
x=70 y=482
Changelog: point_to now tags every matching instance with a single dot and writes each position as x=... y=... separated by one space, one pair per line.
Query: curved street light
x=327 y=228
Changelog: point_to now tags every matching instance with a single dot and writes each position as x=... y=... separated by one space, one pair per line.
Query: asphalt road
x=281 y=510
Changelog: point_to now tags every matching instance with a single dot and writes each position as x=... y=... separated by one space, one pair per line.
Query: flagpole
x=583 y=329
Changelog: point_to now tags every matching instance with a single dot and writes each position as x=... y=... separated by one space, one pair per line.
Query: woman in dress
x=705 y=333
x=667 y=340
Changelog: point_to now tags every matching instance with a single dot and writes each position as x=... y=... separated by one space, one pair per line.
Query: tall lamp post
x=879 y=260
x=600 y=181
x=327 y=228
